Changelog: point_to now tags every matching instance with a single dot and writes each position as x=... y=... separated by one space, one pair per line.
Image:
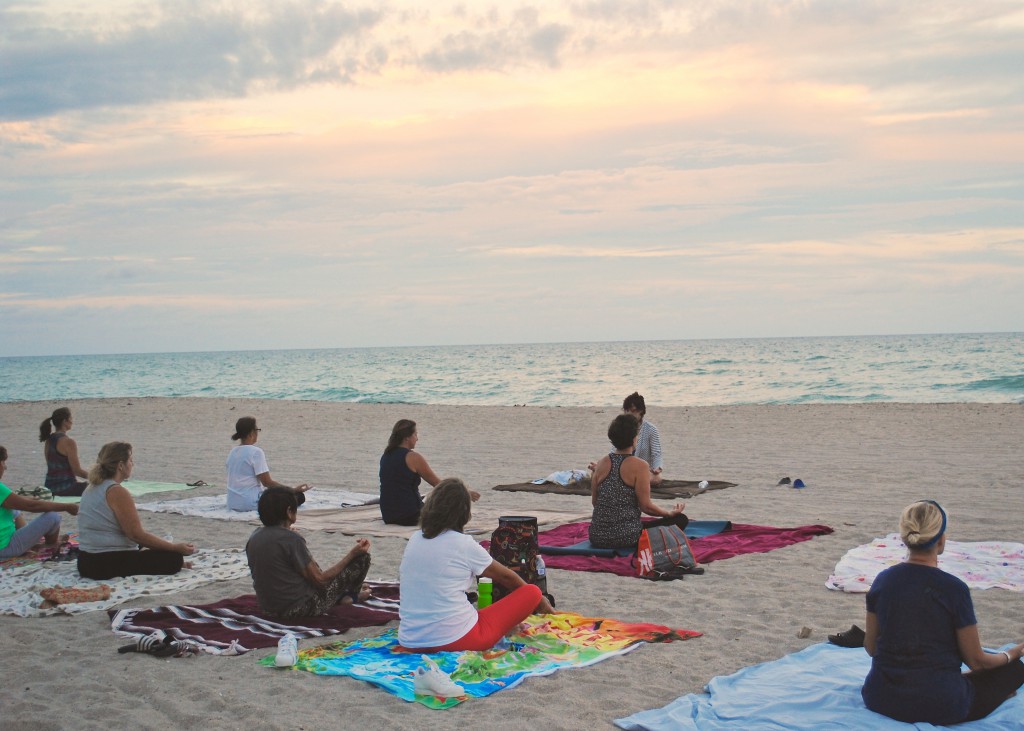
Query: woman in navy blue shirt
x=921 y=627
x=401 y=470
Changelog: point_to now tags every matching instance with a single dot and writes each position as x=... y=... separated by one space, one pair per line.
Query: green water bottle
x=484 y=592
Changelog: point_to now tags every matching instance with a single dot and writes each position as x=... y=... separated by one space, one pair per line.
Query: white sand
x=862 y=464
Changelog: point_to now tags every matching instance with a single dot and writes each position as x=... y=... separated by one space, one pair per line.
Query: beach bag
x=514 y=546
x=663 y=553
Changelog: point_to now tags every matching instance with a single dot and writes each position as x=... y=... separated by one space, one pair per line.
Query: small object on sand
x=798 y=483
x=804 y=633
x=287 y=651
x=784 y=481
x=198 y=483
x=72 y=595
x=703 y=485
x=853 y=637
x=429 y=679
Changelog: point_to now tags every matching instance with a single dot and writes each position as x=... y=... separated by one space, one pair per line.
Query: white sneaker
x=287 y=652
x=432 y=680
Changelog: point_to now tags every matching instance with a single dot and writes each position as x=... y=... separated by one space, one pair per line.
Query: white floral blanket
x=215 y=506
x=20 y=585
x=981 y=564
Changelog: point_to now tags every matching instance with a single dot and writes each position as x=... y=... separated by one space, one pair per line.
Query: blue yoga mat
x=695 y=529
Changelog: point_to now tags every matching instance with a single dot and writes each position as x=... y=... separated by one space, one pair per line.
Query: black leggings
x=74 y=490
x=992 y=687
x=409 y=520
x=111 y=564
x=678 y=520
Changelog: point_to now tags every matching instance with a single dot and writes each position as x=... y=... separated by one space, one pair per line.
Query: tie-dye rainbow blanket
x=541 y=646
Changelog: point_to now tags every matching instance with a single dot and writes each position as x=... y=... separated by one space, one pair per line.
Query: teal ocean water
x=983 y=368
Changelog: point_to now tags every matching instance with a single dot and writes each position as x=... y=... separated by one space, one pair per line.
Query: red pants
x=495 y=621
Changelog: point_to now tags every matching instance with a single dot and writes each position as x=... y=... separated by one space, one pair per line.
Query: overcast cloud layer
x=235 y=175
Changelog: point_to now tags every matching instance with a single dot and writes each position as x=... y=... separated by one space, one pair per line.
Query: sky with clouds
x=204 y=175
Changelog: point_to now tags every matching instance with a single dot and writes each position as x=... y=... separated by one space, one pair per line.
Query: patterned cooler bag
x=663 y=553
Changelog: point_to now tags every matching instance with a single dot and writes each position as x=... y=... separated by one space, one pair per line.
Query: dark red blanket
x=735 y=542
x=235 y=626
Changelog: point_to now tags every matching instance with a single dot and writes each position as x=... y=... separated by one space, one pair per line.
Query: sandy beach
x=861 y=464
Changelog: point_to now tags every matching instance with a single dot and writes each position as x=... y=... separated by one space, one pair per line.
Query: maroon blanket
x=735 y=542
x=235 y=626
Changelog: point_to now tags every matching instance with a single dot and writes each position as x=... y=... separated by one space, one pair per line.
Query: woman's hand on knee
x=362 y=546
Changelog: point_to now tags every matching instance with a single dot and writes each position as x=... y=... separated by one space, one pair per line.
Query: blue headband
x=937 y=536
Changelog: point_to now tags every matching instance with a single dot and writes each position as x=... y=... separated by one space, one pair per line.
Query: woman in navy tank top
x=401 y=470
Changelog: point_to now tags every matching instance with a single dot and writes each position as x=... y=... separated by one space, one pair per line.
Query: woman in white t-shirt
x=248 y=473
x=439 y=563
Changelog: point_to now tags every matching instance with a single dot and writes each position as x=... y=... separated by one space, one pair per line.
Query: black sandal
x=853 y=637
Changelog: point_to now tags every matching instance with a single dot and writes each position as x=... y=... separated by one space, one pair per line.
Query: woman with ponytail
x=112 y=541
x=921 y=627
x=61 y=451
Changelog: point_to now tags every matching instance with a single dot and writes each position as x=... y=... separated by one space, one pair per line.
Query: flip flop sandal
x=198 y=483
x=853 y=637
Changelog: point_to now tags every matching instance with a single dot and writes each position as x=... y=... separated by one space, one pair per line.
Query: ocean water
x=982 y=368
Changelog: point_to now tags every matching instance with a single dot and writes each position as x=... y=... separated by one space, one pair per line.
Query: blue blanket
x=695 y=529
x=816 y=688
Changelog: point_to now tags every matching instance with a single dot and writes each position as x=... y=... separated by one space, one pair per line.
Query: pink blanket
x=735 y=542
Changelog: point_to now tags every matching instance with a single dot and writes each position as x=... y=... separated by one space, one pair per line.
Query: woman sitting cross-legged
x=288 y=582
x=438 y=566
x=248 y=473
x=17 y=536
x=921 y=627
x=61 y=452
x=401 y=470
x=620 y=489
x=111 y=539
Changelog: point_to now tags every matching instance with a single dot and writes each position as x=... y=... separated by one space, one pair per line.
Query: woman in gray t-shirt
x=288 y=582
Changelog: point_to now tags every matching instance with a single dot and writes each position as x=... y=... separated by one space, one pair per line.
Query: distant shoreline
x=921 y=369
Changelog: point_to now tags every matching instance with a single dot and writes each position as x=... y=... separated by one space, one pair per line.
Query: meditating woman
x=61 y=452
x=111 y=539
x=921 y=627
x=439 y=564
x=16 y=535
x=648 y=441
x=620 y=489
x=401 y=470
x=288 y=582
x=248 y=473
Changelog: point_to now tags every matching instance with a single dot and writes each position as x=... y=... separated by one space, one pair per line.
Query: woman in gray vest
x=111 y=539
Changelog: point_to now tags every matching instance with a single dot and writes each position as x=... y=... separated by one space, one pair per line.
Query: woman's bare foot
x=362 y=596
